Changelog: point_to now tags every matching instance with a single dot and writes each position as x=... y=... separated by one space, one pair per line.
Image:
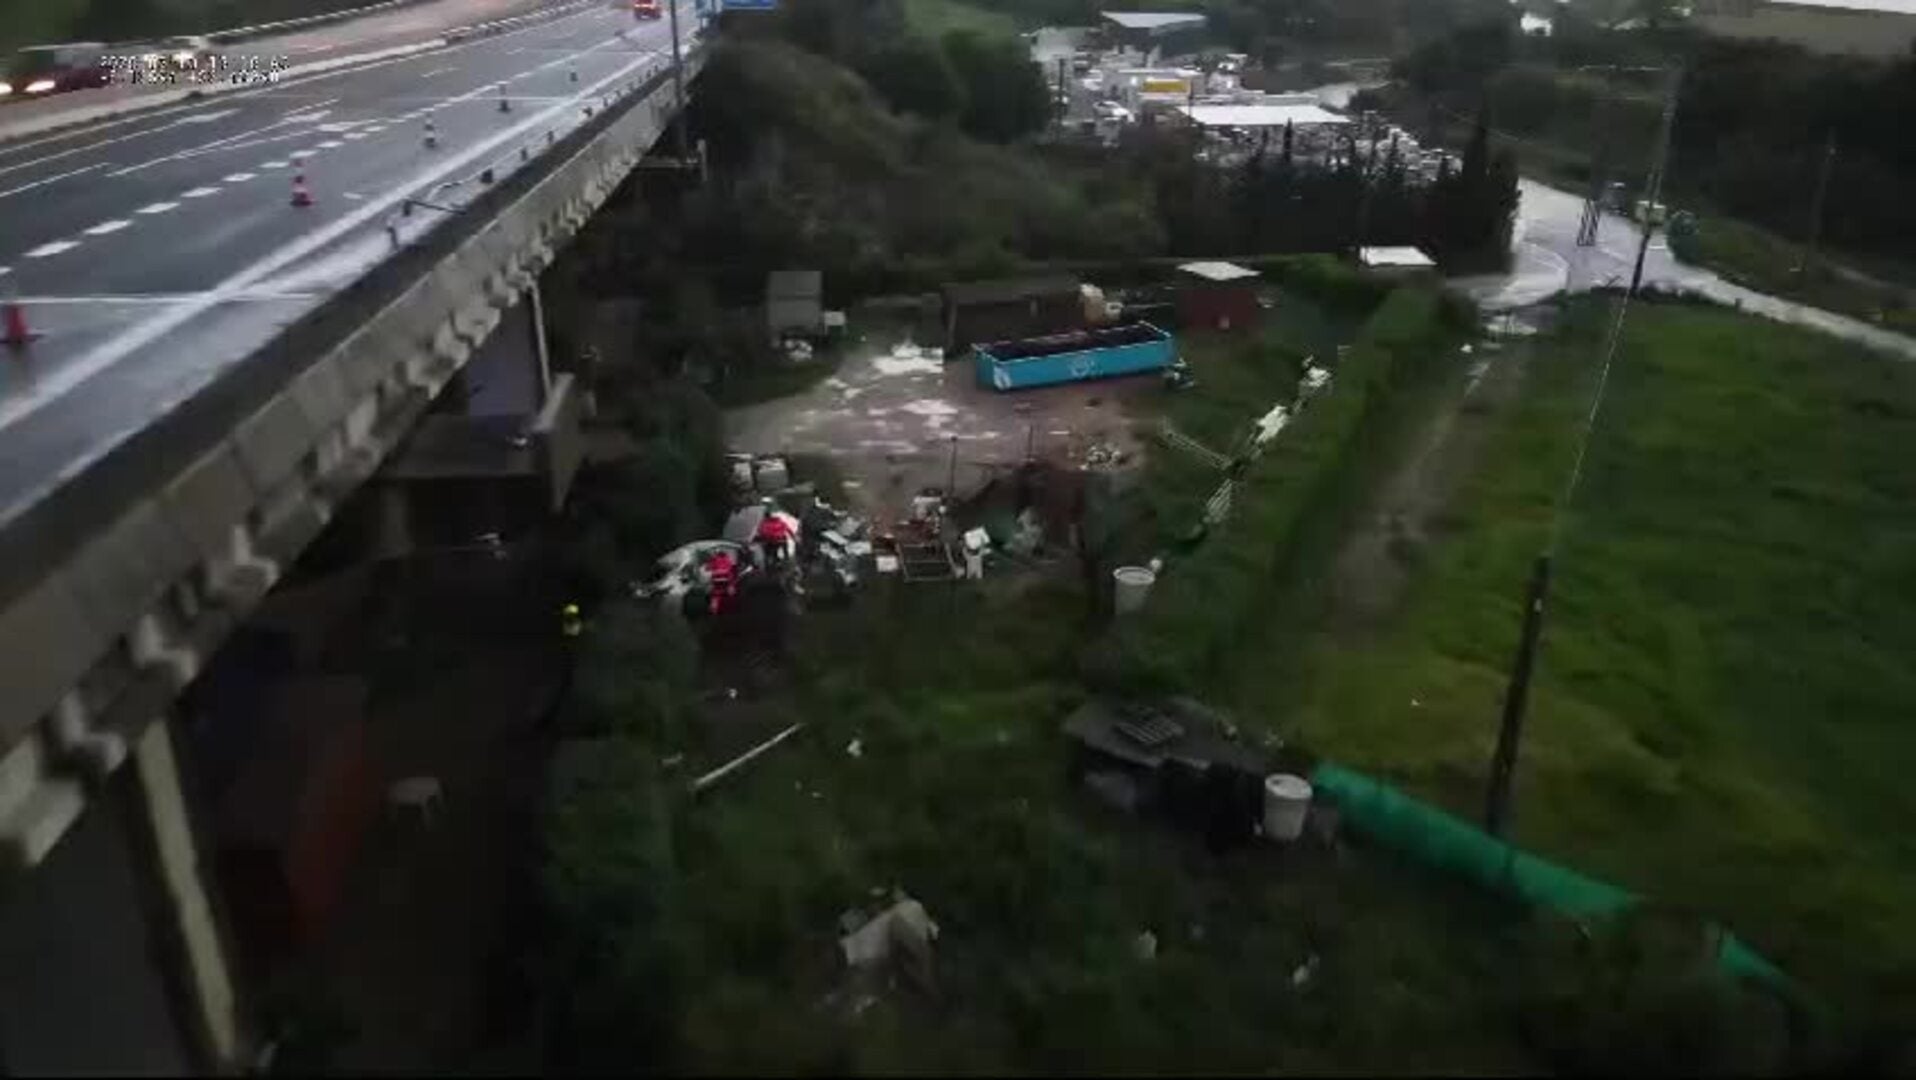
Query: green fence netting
x=1441 y=841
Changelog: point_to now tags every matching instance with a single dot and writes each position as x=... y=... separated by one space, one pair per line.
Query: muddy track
x=1407 y=514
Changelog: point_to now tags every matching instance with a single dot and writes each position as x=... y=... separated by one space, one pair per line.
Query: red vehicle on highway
x=646 y=9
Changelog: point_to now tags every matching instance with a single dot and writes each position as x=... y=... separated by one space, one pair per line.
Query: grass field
x=1763 y=261
x=957 y=792
x=1720 y=712
x=1714 y=725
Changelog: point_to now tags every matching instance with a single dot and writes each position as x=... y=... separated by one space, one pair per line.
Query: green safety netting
x=1439 y=840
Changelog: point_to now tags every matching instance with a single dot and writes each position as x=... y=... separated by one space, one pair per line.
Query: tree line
x=1364 y=196
x=1754 y=119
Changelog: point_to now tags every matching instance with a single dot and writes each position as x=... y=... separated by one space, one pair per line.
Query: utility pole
x=1364 y=178
x=1503 y=766
x=678 y=81
x=1816 y=205
x=1593 y=203
x=1064 y=94
x=1654 y=189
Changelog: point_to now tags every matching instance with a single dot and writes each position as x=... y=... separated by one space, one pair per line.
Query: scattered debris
x=1304 y=972
x=739 y=467
x=1270 y=425
x=855 y=748
x=908 y=358
x=1314 y=381
x=1145 y=945
x=742 y=760
x=1170 y=436
x=771 y=474
x=905 y=929
x=1177 y=761
x=925 y=562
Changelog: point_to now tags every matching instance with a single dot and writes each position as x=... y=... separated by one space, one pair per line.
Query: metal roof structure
x=1218 y=271
x=1402 y=258
x=1889 y=7
x=1250 y=116
x=1156 y=21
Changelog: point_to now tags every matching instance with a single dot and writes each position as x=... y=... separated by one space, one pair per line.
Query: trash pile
x=781 y=535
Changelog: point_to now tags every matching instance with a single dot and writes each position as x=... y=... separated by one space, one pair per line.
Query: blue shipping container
x=1073 y=357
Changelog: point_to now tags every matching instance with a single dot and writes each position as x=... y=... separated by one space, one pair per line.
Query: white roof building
x=1260 y=115
x=1395 y=258
x=1156 y=22
x=1218 y=271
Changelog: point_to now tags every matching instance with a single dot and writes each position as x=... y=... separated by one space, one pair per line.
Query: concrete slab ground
x=892 y=414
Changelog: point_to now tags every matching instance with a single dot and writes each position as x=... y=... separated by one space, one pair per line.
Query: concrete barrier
x=130 y=576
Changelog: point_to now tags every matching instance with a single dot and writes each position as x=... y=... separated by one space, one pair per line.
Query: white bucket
x=1287 y=799
x=1134 y=584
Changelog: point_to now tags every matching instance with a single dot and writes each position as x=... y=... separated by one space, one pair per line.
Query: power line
x=1503 y=763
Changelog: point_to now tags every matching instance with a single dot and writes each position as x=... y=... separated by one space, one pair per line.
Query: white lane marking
x=354 y=196
x=108 y=142
x=111 y=351
x=231 y=142
x=199 y=193
x=206 y=118
x=5 y=270
x=299 y=155
x=437 y=71
x=309 y=108
x=266 y=90
x=105 y=227
x=53 y=179
x=157 y=208
x=515 y=50
x=165 y=298
x=237 y=178
x=54 y=248
x=331 y=144
x=272 y=165
x=355 y=136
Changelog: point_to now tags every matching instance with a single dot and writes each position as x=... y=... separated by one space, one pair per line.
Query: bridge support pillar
x=193 y=942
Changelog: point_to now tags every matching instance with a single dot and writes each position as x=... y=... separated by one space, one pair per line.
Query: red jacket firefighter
x=722 y=570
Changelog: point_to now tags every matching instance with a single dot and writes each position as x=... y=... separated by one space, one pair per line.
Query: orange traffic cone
x=302 y=196
x=13 y=326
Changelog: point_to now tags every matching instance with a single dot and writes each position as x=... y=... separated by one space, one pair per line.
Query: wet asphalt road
x=154 y=251
x=1547 y=260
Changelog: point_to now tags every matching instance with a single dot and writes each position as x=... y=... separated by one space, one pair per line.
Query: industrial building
x=1003 y=310
x=1152 y=31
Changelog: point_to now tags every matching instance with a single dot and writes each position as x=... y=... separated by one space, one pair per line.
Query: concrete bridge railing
x=127 y=586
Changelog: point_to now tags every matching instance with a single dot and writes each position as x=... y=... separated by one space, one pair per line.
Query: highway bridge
x=241 y=304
